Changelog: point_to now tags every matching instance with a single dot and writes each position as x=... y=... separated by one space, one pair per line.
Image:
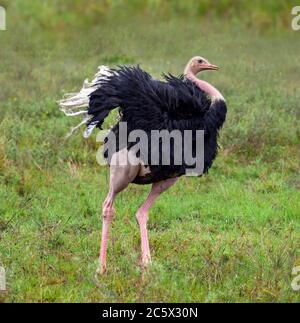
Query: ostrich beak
x=211 y=67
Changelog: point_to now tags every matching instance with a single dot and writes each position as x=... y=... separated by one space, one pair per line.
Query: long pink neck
x=204 y=86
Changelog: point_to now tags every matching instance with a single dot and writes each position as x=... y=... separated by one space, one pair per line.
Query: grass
x=230 y=236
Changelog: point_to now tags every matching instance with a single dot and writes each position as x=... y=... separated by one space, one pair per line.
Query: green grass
x=230 y=236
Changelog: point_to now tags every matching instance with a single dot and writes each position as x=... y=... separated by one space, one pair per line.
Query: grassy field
x=230 y=236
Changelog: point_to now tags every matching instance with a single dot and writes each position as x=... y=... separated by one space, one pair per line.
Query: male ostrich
x=184 y=103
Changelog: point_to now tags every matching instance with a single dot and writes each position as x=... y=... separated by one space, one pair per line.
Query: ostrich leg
x=108 y=214
x=120 y=177
x=142 y=216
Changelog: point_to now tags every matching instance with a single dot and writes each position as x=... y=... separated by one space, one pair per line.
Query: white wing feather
x=74 y=104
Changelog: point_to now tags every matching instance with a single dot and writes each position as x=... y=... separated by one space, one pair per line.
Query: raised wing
x=146 y=103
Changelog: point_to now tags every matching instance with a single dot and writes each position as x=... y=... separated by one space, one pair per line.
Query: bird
x=183 y=103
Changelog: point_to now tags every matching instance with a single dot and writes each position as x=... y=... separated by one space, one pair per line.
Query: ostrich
x=181 y=103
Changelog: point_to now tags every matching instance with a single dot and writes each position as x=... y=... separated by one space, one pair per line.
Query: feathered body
x=148 y=104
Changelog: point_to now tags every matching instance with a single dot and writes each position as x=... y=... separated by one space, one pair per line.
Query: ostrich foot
x=101 y=270
x=145 y=262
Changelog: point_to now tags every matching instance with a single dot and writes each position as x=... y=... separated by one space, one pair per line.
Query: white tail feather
x=74 y=104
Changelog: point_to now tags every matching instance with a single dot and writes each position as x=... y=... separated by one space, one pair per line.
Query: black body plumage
x=148 y=104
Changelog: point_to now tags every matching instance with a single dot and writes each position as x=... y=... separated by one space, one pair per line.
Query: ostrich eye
x=200 y=61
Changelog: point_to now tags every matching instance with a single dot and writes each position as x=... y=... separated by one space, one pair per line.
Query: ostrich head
x=198 y=64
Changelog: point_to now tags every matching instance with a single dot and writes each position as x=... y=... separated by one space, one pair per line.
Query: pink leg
x=120 y=177
x=142 y=216
x=108 y=214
